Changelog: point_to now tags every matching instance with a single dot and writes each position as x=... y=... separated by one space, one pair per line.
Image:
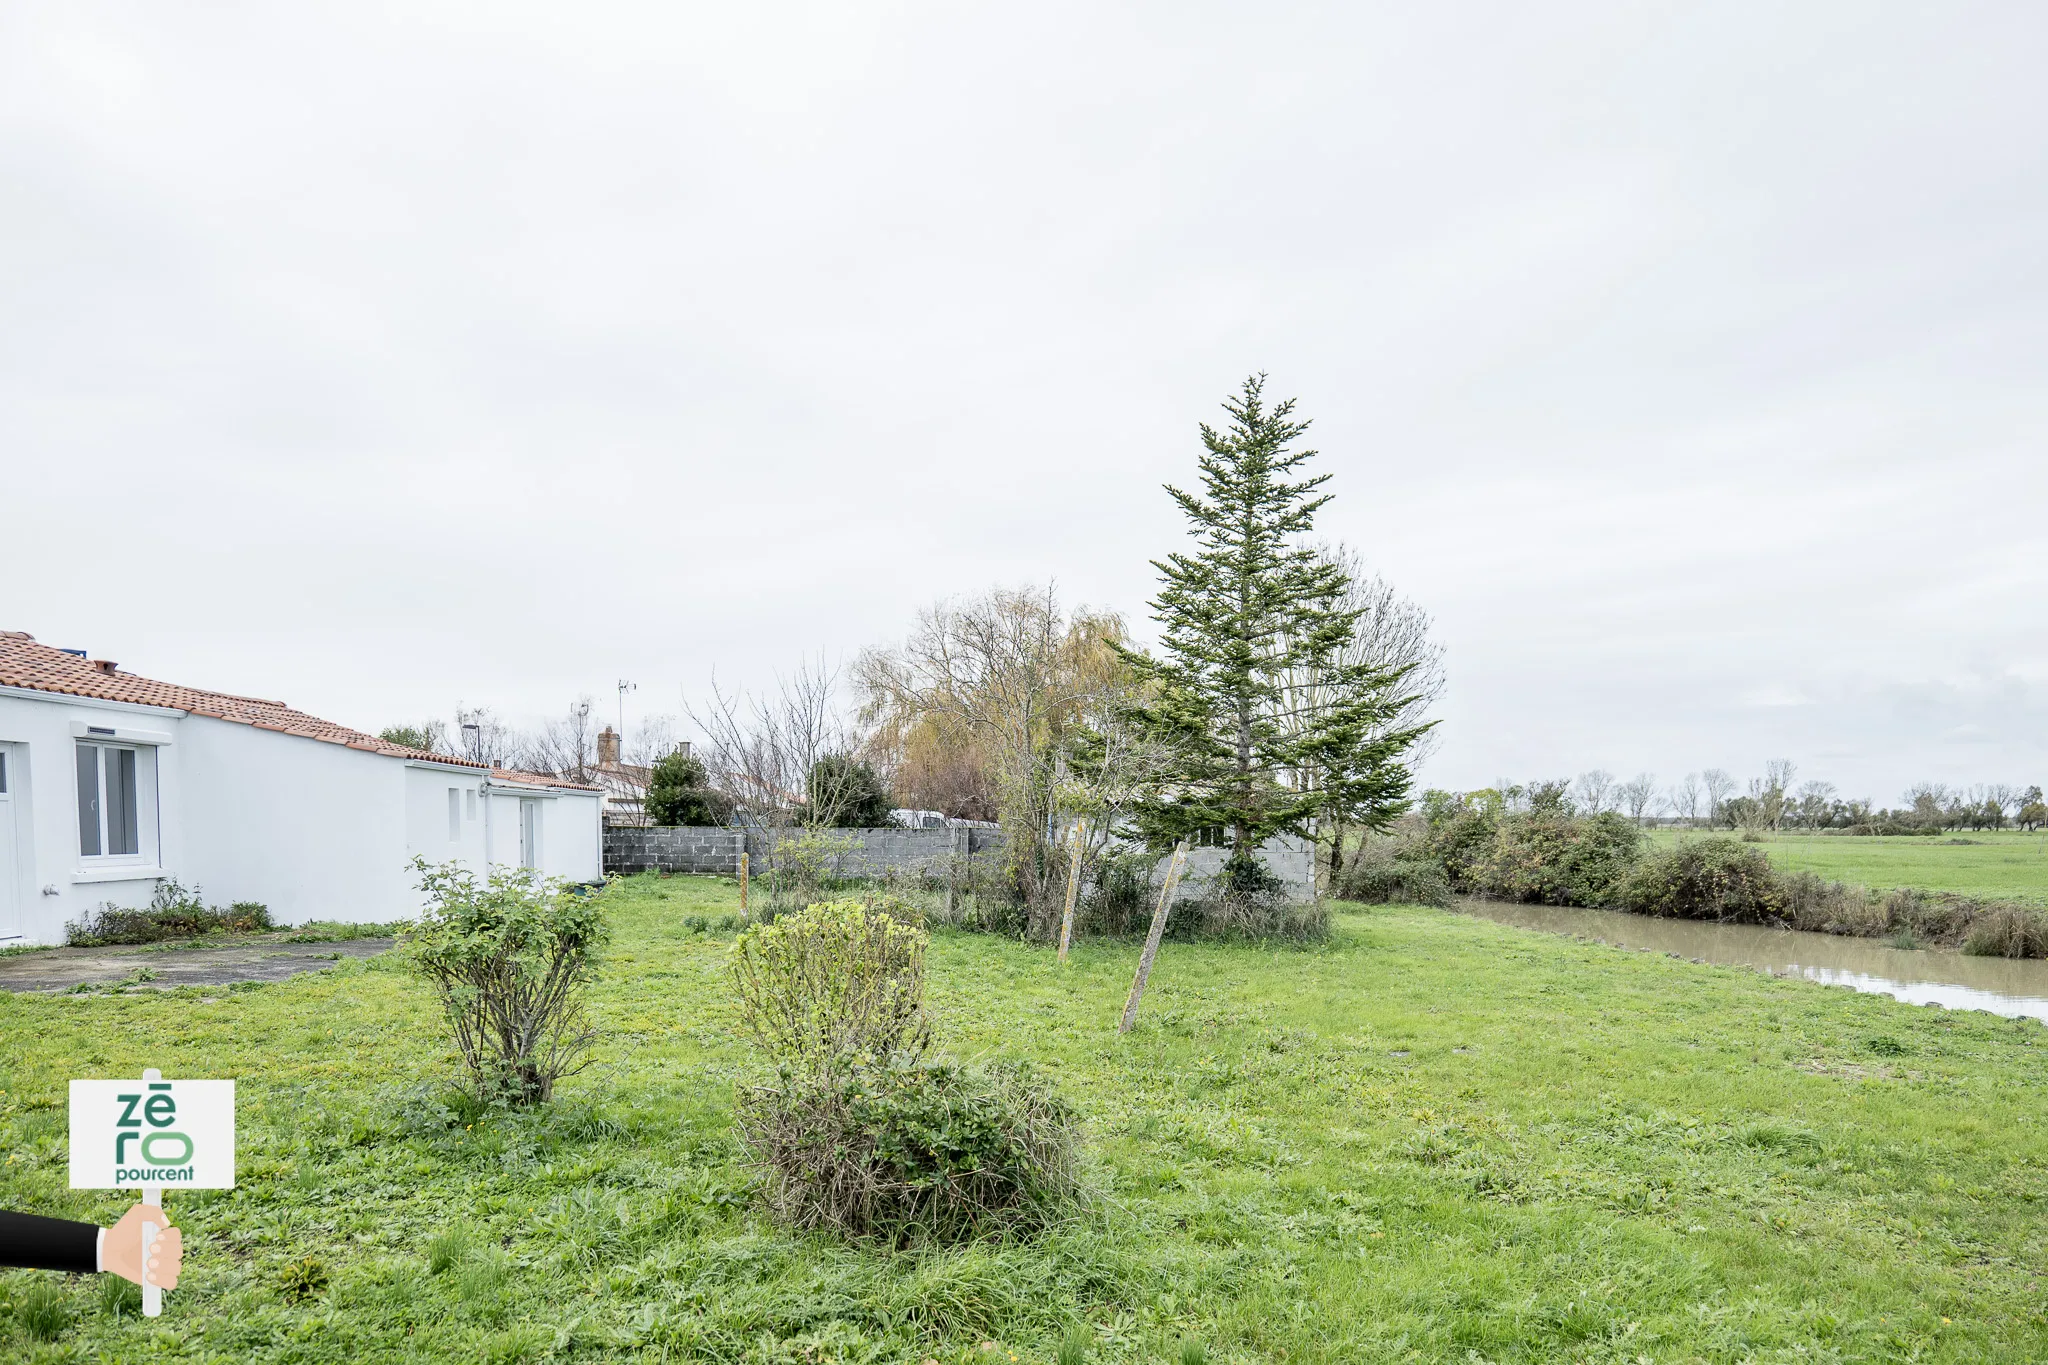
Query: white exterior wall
x=426 y=815
x=571 y=831
x=312 y=830
x=51 y=883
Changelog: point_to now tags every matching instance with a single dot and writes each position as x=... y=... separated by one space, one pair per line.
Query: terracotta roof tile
x=513 y=776
x=39 y=668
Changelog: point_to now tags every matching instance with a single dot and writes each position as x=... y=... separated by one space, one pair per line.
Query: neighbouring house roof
x=512 y=777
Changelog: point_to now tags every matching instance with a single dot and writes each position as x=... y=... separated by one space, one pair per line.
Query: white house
x=110 y=782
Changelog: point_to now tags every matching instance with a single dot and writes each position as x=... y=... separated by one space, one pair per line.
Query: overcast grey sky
x=1688 y=363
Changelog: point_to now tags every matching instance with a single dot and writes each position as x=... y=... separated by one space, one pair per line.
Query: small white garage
x=110 y=782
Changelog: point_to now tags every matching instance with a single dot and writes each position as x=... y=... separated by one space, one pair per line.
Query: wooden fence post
x=743 y=883
x=1078 y=839
x=1180 y=856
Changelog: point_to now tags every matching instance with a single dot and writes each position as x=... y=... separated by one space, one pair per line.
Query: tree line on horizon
x=1713 y=799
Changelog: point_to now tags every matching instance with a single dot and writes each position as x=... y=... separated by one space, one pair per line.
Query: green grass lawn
x=1435 y=1139
x=2002 y=864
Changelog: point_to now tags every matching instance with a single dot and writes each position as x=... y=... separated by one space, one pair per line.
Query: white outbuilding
x=110 y=783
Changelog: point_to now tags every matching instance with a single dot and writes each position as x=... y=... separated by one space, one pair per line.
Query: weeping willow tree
x=1010 y=679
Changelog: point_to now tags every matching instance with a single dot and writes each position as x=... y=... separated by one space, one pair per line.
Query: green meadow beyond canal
x=1434 y=1138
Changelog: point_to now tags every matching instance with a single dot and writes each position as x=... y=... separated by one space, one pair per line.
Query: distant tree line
x=1712 y=799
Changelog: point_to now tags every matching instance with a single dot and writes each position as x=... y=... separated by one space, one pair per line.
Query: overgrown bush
x=804 y=868
x=1556 y=858
x=857 y=1130
x=1716 y=878
x=1457 y=835
x=913 y=1150
x=834 y=987
x=511 y=959
x=1119 y=900
x=2008 y=930
x=1377 y=877
x=173 y=912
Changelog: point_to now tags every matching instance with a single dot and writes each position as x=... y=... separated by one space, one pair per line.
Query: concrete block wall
x=1287 y=857
x=716 y=850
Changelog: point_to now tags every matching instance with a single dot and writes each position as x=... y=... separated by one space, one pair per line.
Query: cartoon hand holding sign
x=145 y=1135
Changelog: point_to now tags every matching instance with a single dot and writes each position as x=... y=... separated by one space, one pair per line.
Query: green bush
x=1119 y=903
x=1457 y=834
x=858 y=1131
x=679 y=792
x=1716 y=878
x=511 y=960
x=1377 y=878
x=834 y=987
x=913 y=1151
x=1555 y=858
x=173 y=912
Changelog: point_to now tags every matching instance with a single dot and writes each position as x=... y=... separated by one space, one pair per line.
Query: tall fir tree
x=1250 y=607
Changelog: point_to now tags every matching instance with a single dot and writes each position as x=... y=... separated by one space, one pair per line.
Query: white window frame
x=146 y=852
x=455 y=815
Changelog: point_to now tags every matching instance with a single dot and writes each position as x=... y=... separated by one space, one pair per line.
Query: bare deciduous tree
x=563 y=747
x=1686 y=798
x=1719 y=787
x=1637 y=795
x=1390 y=636
x=766 y=753
x=483 y=737
x=1814 y=804
x=1593 y=791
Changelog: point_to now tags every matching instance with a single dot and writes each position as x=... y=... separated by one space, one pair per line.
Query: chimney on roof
x=103 y=665
x=607 y=748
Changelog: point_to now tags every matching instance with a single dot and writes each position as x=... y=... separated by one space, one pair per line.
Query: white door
x=10 y=869
x=529 y=832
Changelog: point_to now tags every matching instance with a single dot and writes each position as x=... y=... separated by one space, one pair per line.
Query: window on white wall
x=454 y=814
x=109 y=802
x=469 y=802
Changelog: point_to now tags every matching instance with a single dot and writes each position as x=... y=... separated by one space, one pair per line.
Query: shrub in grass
x=1119 y=902
x=1717 y=878
x=858 y=1131
x=912 y=1151
x=1378 y=877
x=1552 y=857
x=511 y=959
x=172 y=912
x=835 y=986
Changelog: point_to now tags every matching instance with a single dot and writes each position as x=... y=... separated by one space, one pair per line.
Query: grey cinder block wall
x=877 y=852
x=716 y=850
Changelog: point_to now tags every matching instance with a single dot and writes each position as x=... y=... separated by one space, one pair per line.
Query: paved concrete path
x=59 y=969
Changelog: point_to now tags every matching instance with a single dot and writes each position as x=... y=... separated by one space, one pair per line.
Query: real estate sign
x=175 y=1135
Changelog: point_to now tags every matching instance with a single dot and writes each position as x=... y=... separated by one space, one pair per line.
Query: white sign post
x=144 y=1135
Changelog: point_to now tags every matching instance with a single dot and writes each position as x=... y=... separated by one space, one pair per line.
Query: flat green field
x=1435 y=1139
x=1999 y=864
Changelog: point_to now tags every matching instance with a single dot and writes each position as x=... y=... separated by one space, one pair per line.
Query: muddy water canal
x=1917 y=976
